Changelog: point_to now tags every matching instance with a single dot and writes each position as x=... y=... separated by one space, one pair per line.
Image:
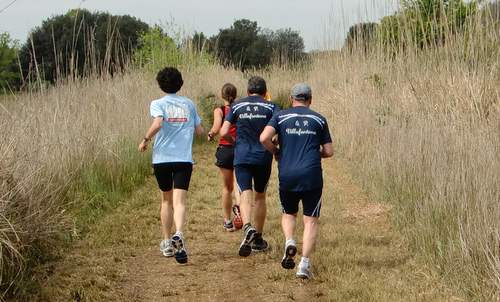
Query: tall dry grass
x=420 y=129
x=67 y=151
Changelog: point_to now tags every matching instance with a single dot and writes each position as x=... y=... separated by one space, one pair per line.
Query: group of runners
x=252 y=130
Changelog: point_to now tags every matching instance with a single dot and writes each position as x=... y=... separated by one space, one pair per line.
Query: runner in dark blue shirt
x=252 y=162
x=304 y=138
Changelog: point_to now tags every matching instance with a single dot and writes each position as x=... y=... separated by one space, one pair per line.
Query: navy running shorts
x=260 y=175
x=311 y=202
x=176 y=174
x=225 y=157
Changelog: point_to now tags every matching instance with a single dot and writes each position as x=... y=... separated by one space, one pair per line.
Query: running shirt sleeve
x=273 y=122
x=156 y=110
x=196 y=117
x=325 y=136
x=231 y=116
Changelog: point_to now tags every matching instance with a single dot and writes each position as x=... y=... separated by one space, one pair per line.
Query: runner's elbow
x=262 y=140
x=327 y=153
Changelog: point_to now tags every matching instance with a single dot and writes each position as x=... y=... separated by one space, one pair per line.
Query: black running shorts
x=258 y=173
x=225 y=157
x=176 y=174
x=311 y=202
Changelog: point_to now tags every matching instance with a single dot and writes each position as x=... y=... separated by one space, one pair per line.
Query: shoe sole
x=180 y=254
x=245 y=247
x=229 y=230
x=260 y=250
x=288 y=262
x=303 y=276
x=168 y=255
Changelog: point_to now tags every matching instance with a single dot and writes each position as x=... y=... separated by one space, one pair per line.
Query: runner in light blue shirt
x=175 y=121
x=174 y=141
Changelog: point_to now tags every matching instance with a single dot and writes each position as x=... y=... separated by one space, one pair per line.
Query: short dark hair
x=229 y=92
x=257 y=85
x=170 y=79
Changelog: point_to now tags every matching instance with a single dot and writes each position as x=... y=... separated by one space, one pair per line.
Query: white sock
x=178 y=233
x=290 y=241
x=304 y=262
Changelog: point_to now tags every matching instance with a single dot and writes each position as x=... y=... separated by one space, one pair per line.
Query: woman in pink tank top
x=225 y=158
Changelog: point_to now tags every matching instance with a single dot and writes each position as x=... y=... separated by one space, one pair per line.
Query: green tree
x=157 y=50
x=246 y=45
x=80 y=42
x=199 y=42
x=9 y=73
x=425 y=23
x=361 y=36
x=243 y=45
x=288 y=46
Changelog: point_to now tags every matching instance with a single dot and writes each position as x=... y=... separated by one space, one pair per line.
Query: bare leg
x=260 y=211
x=310 y=233
x=237 y=193
x=227 y=190
x=179 y=209
x=166 y=214
x=246 y=206
x=288 y=224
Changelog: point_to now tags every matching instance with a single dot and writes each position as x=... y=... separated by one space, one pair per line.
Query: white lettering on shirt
x=299 y=132
x=251 y=116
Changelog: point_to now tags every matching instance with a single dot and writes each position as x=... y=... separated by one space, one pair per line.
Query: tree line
x=245 y=45
x=419 y=24
x=80 y=43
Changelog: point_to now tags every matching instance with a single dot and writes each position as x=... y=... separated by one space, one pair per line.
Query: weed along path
x=359 y=257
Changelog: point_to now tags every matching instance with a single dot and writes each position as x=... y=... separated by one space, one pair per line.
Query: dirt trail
x=359 y=258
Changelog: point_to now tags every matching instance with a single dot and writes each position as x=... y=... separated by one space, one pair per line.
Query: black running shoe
x=180 y=251
x=290 y=251
x=246 y=244
x=259 y=244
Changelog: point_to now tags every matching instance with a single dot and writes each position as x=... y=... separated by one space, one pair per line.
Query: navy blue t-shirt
x=301 y=132
x=251 y=115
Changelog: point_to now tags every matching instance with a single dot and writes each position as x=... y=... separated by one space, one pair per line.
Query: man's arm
x=266 y=139
x=327 y=150
x=153 y=129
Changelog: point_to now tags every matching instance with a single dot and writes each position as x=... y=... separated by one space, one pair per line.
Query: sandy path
x=359 y=257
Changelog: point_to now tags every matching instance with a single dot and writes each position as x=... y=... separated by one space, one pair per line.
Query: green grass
x=106 y=182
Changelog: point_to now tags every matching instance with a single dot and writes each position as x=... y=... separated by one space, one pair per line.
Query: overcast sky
x=322 y=23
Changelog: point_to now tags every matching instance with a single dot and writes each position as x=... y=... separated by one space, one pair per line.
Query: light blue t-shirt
x=174 y=141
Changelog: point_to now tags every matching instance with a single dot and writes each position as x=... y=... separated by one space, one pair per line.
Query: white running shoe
x=166 y=248
x=304 y=271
